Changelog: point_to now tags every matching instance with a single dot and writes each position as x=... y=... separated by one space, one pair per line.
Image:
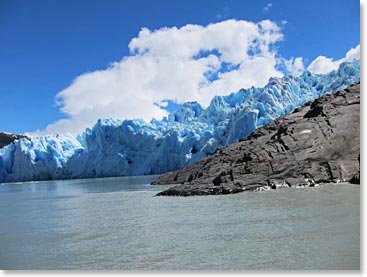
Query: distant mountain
x=134 y=147
x=6 y=138
x=318 y=143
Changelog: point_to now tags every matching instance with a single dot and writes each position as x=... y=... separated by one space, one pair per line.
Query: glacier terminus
x=135 y=147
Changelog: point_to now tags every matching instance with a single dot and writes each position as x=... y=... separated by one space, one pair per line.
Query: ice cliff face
x=134 y=147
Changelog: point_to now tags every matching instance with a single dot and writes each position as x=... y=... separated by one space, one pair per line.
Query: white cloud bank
x=179 y=64
x=322 y=64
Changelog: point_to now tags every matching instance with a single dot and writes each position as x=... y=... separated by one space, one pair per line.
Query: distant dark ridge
x=6 y=138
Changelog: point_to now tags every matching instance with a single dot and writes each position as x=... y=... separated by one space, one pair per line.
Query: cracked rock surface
x=317 y=143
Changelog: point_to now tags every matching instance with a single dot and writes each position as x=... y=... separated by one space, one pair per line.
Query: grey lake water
x=117 y=223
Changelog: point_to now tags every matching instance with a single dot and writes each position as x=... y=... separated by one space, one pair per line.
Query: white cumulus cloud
x=191 y=63
x=295 y=66
x=322 y=64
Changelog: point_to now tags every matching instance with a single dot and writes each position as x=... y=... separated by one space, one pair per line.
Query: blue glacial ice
x=134 y=147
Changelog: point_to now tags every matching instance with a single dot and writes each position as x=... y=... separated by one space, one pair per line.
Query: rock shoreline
x=318 y=143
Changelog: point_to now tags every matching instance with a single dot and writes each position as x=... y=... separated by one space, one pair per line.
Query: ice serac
x=43 y=158
x=135 y=147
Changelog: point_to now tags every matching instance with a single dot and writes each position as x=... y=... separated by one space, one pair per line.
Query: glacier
x=135 y=147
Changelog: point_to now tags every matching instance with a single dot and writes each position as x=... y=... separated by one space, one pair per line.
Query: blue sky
x=45 y=45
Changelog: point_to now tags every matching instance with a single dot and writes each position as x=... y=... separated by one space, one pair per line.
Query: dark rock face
x=6 y=138
x=317 y=143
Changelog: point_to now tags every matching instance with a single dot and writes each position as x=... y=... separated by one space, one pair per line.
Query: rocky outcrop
x=6 y=138
x=317 y=143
